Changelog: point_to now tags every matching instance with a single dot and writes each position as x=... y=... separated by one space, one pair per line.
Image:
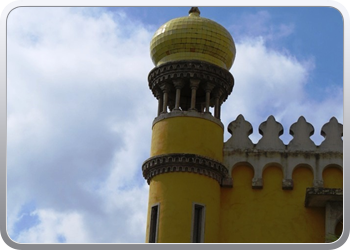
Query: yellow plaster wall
x=176 y=193
x=332 y=177
x=270 y=214
x=232 y=214
x=187 y=135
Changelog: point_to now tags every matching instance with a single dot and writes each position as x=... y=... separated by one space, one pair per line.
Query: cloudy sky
x=80 y=111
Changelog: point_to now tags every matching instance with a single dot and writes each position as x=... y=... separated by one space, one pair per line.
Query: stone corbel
x=287 y=184
x=227 y=182
x=257 y=183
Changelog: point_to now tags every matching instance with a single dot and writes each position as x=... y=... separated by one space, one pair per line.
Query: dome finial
x=195 y=11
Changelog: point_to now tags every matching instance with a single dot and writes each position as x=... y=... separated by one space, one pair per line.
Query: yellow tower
x=203 y=189
x=192 y=56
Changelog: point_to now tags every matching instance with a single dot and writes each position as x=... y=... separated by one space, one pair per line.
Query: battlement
x=270 y=149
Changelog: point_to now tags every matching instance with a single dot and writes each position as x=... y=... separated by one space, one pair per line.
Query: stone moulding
x=318 y=197
x=191 y=69
x=190 y=163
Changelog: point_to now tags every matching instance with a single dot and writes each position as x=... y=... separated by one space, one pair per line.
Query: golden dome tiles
x=193 y=37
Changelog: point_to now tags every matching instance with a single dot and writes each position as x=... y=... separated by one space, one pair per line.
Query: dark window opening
x=198 y=219
x=153 y=224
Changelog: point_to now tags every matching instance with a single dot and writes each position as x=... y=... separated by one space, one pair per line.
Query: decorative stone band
x=318 y=197
x=192 y=69
x=191 y=163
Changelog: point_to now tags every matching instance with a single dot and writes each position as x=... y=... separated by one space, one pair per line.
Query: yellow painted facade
x=240 y=214
x=187 y=135
x=271 y=214
x=233 y=215
x=238 y=208
x=176 y=193
x=333 y=177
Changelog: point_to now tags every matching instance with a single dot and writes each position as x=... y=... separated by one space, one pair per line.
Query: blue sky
x=313 y=32
x=80 y=111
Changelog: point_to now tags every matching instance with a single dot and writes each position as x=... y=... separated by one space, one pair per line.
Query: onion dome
x=193 y=38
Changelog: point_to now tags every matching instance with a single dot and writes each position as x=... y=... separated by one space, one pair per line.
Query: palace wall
x=282 y=193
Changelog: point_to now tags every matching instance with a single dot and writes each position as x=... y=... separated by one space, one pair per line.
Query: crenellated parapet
x=270 y=149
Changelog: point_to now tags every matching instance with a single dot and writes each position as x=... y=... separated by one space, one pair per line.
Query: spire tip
x=194 y=10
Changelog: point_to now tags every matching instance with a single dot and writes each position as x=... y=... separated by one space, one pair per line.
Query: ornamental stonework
x=190 y=163
x=192 y=69
x=270 y=149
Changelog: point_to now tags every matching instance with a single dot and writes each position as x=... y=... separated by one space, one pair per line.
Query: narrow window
x=153 y=230
x=198 y=223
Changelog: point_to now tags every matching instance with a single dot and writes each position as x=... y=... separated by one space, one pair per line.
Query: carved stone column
x=196 y=94
x=194 y=83
x=159 y=96
x=208 y=87
x=178 y=86
x=217 y=96
x=166 y=89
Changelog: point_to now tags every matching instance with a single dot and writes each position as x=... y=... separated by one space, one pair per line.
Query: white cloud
x=261 y=24
x=269 y=82
x=79 y=123
x=67 y=226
